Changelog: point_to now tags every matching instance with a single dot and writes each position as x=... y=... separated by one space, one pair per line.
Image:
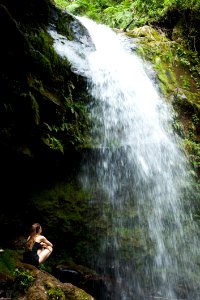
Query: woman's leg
x=44 y=254
x=39 y=251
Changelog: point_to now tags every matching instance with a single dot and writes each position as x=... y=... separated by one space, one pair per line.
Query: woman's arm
x=44 y=240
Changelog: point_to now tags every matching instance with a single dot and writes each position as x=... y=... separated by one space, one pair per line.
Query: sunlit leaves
x=120 y=13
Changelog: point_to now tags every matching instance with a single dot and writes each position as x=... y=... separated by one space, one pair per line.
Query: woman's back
x=38 y=248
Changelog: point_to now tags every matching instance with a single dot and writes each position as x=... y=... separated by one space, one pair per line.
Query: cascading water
x=149 y=242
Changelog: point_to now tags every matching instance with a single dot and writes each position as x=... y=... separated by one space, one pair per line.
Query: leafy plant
x=23 y=279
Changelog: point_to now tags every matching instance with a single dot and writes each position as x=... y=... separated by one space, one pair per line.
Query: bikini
x=31 y=257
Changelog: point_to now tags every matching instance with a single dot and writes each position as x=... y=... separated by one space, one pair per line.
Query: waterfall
x=137 y=172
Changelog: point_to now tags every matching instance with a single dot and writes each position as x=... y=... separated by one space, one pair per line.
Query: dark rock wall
x=43 y=114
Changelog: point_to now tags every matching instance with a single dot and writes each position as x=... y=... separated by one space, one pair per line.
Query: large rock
x=84 y=278
x=45 y=287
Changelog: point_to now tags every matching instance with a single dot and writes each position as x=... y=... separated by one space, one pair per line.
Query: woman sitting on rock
x=38 y=247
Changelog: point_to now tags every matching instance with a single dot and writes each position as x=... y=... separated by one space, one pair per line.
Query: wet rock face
x=5 y=286
x=68 y=25
x=34 y=11
x=65 y=274
x=36 y=85
x=14 y=44
x=90 y=282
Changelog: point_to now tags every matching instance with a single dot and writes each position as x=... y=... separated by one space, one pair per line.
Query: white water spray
x=137 y=167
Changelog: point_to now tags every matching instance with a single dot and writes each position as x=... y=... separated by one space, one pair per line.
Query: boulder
x=45 y=286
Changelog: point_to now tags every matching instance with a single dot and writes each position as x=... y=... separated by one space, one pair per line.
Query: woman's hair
x=35 y=228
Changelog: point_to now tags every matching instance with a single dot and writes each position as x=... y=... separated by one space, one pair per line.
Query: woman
x=38 y=247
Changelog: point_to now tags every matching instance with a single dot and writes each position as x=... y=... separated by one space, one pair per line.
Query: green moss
x=70 y=210
x=31 y=106
x=63 y=25
x=41 y=62
x=176 y=67
x=178 y=74
x=42 y=53
x=77 y=293
x=193 y=148
x=7 y=261
x=53 y=143
x=70 y=119
x=55 y=293
x=82 y=295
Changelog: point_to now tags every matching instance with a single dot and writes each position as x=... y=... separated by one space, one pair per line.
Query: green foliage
x=7 y=261
x=155 y=10
x=23 y=279
x=45 y=267
x=120 y=13
x=112 y=13
x=53 y=143
x=195 y=120
x=55 y=293
x=80 y=7
x=62 y=3
x=194 y=149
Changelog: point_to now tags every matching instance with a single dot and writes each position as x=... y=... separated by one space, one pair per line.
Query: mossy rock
x=40 y=285
x=148 y=32
x=67 y=24
x=177 y=72
x=174 y=65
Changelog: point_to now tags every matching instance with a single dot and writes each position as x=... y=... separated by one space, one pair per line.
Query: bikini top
x=36 y=246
